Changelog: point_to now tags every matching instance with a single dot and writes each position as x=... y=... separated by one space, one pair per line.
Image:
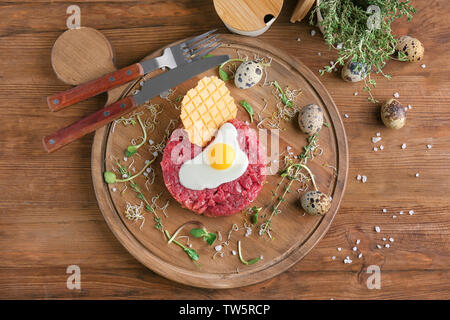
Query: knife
x=149 y=90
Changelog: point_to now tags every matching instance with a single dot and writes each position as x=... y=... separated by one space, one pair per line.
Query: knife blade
x=172 y=78
x=149 y=90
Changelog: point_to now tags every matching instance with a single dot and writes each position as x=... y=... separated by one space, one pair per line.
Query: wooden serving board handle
x=94 y=87
x=89 y=124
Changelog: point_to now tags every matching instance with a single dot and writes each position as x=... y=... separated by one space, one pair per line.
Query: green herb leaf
x=209 y=55
x=248 y=108
x=198 y=232
x=131 y=150
x=210 y=238
x=223 y=75
x=255 y=260
x=192 y=253
x=110 y=177
x=255 y=218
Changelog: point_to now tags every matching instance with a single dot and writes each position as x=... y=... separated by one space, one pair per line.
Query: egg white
x=197 y=174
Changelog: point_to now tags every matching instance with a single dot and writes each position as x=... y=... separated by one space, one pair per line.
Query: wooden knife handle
x=94 y=87
x=91 y=123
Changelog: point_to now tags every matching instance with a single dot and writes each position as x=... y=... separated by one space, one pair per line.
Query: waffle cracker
x=205 y=108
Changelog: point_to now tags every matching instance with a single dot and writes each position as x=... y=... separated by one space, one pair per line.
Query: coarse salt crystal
x=355 y=249
x=114 y=189
x=404 y=146
x=319 y=54
x=339 y=249
x=347 y=260
x=358 y=177
x=393 y=217
x=261 y=257
x=378 y=246
x=313 y=33
x=391 y=239
x=417 y=175
x=150 y=142
x=396 y=95
x=133 y=169
x=145 y=174
x=288 y=148
x=218 y=247
x=409 y=106
x=378 y=134
x=387 y=245
x=331 y=63
x=429 y=146
x=411 y=212
x=125 y=159
x=424 y=66
x=148 y=170
x=376 y=139
x=358 y=241
x=155 y=153
x=147 y=161
x=384 y=210
x=364 y=179
x=124 y=176
x=333 y=258
x=377 y=229
x=401 y=212
x=360 y=256
x=339 y=46
x=298 y=39
x=233 y=252
x=381 y=147
x=346 y=116
x=375 y=149
x=384 y=239
x=355 y=94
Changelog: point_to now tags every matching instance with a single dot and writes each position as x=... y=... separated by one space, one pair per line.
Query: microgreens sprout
x=250 y=262
x=248 y=108
x=208 y=237
x=254 y=211
x=189 y=251
x=131 y=150
x=110 y=177
x=283 y=96
x=225 y=76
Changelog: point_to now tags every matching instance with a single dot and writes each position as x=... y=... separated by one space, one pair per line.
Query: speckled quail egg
x=393 y=114
x=351 y=73
x=315 y=203
x=248 y=74
x=310 y=119
x=411 y=47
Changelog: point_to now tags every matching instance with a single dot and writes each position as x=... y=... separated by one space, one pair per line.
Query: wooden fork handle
x=91 y=123
x=94 y=87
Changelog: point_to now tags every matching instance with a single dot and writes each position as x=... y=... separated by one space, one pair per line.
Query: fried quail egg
x=315 y=203
x=248 y=74
x=411 y=47
x=220 y=162
x=310 y=119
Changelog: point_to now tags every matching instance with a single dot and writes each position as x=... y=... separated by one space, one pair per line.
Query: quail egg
x=310 y=119
x=315 y=203
x=411 y=47
x=393 y=114
x=248 y=74
x=352 y=73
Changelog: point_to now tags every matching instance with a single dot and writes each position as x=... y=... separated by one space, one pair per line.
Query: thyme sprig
x=345 y=25
x=148 y=207
x=291 y=173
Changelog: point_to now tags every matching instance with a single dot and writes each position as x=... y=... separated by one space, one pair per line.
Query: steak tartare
x=228 y=198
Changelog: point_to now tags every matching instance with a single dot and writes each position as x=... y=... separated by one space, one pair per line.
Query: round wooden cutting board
x=294 y=233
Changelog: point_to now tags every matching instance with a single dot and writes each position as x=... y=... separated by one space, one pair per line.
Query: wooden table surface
x=49 y=218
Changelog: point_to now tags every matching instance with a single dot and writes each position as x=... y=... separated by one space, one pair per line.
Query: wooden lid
x=247 y=15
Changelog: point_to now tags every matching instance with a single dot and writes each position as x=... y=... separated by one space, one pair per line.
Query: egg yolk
x=221 y=156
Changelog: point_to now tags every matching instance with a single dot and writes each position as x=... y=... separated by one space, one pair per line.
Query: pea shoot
x=208 y=237
x=283 y=96
x=110 y=177
x=248 y=108
x=189 y=251
x=250 y=262
x=132 y=149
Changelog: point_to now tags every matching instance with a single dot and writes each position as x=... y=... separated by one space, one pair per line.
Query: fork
x=172 y=57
